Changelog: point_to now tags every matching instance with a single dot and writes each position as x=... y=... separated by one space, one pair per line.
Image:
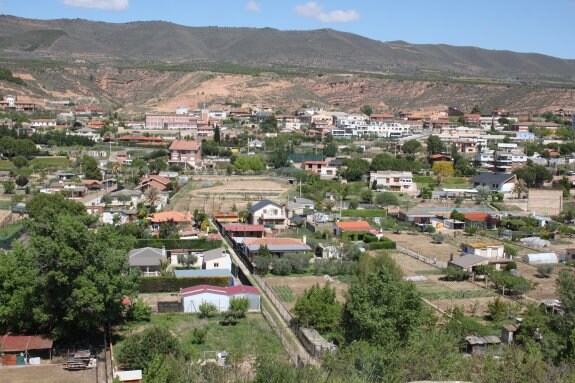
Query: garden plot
x=298 y=284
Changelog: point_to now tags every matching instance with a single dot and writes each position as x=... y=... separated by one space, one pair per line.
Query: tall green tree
x=383 y=309
x=217 y=134
x=76 y=277
x=434 y=145
x=318 y=308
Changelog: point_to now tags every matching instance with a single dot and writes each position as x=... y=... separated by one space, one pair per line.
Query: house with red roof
x=354 y=229
x=186 y=153
x=154 y=181
x=276 y=246
x=180 y=219
x=226 y=217
x=29 y=345
x=221 y=297
x=481 y=219
x=244 y=230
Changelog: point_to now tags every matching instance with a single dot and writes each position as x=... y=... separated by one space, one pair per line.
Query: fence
x=419 y=257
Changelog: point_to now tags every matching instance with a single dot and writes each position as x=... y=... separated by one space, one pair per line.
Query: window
x=216 y=264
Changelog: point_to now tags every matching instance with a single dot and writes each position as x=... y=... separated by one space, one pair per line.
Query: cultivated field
x=298 y=284
x=220 y=193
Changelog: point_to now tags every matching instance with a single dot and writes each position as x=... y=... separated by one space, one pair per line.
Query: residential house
x=400 y=182
x=256 y=144
x=154 y=181
x=161 y=121
x=125 y=197
x=43 y=123
x=383 y=117
x=244 y=230
x=92 y=184
x=142 y=140
x=70 y=189
x=277 y=246
x=484 y=249
x=497 y=182
x=226 y=217
x=481 y=219
x=299 y=206
x=469 y=262
x=180 y=219
x=118 y=217
x=88 y=133
x=220 y=297
x=147 y=260
x=187 y=153
x=313 y=167
x=269 y=214
x=217 y=259
x=356 y=229
x=472 y=119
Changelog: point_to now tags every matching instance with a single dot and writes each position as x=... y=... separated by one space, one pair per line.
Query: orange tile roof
x=153 y=177
x=185 y=145
x=175 y=216
x=476 y=216
x=354 y=226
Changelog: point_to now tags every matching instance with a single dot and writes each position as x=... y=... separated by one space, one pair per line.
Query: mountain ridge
x=158 y=40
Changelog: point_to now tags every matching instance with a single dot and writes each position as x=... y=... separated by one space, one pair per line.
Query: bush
x=199 y=335
x=333 y=267
x=262 y=264
x=208 y=310
x=138 y=350
x=369 y=238
x=455 y=274
x=438 y=238
x=511 y=266
x=281 y=266
x=239 y=306
x=510 y=251
x=384 y=243
x=545 y=270
x=470 y=230
x=173 y=284
x=299 y=262
x=139 y=311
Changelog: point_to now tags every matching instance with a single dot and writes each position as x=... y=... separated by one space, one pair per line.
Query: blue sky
x=519 y=25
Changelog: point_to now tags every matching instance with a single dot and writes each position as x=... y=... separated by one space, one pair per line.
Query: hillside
x=142 y=66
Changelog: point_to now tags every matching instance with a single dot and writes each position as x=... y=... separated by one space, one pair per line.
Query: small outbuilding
x=541 y=258
x=221 y=297
x=25 y=349
x=480 y=344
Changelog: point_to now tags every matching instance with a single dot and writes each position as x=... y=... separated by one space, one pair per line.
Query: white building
x=217 y=259
x=220 y=297
x=484 y=249
x=88 y=133
x=401 y=182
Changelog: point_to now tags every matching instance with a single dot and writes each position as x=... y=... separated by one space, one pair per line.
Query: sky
x=518 y=25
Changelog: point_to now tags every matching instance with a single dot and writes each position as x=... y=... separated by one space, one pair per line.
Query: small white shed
x=221 y=297
x=540 y=258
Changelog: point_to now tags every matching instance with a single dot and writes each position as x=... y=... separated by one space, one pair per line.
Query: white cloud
x=315 y=11
x=112 y=5
x=252 y=6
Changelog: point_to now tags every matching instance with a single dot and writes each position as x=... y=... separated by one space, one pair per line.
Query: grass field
x=6 y=165
x=252 y=336
x=45 y=162
x=284 y=293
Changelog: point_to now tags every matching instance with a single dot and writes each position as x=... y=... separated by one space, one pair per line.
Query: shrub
x=511 y=266
x=199 y=335
x=384 y=243
x=497 y=310
x=208 y=310
x=455 y=274
x=139 y=311
x=438 y=238
x=545 y=270
x=281 y=266
x=299 y=262
x=262 y=264
x=138 y=350
x=333 y=267
x=470 y=230
x=173 y=284
x=510 y=251
x=169 y=244
x=239 y=306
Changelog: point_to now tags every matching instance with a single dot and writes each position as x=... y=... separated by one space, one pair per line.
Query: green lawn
x=251 y=336
x=44 y=162
x=5 y=204
x=6 y=165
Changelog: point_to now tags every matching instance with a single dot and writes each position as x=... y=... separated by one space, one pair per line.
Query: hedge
x=173 y=284
x=384 y=243
x=169 y=244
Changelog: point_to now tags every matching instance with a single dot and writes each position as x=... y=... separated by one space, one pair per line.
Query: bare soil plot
x=411 y=266
x=299 y=283
x=545 y=288
x=52 y=373
x=229 y=191
x=422 y=243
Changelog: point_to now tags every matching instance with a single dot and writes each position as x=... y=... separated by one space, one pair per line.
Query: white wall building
x=401 y=182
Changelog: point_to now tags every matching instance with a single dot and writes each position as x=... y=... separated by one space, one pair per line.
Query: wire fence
x=432 y=261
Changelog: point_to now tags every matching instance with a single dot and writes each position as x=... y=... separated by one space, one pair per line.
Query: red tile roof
x=140 y=138
x=159 y=179
x=476 y=216
x=230 y=214
x=185 y=145
x=16 y=343
x=233 y=290
x=175 y=216
x=243 y=227
x=354 y=226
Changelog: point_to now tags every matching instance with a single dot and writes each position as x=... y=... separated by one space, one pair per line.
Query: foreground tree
x=70 y=280
x=318 y=308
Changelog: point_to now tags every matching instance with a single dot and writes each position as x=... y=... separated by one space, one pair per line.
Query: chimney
x=304 y=239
